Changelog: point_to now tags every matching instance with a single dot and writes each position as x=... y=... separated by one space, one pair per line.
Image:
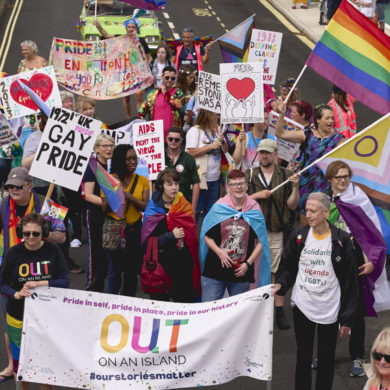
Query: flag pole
x=335 y=149
x=238 y=25
x=296 y=82
x=95 y=8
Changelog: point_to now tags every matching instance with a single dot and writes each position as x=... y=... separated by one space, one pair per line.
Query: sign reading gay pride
x=134 y=343
x=17 y=103
x=209 y=91
x=242 y=92
x=65 y=148
x=265 y=48
x=101 y=70
x=149 y=145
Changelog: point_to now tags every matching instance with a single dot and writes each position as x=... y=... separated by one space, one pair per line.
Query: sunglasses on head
x=34 y=234
x=12 y=187
x=170 y=78
x=171 y=139
x=378 y=356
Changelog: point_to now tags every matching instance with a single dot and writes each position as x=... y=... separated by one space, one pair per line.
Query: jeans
x=207 y=198
x=213 y=289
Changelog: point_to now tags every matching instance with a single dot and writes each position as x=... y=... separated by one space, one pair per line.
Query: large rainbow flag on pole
x=354 y=54
x=234 y=44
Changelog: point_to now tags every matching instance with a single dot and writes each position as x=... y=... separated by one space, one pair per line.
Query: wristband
x=246 y=262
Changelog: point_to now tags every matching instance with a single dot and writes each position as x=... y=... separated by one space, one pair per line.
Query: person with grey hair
x=319 y=262
x=68 y=101
x=31 y=59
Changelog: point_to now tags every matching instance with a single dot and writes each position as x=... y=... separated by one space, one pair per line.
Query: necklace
x=188 y=51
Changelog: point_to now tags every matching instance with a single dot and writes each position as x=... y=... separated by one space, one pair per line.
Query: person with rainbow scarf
x=170 y=218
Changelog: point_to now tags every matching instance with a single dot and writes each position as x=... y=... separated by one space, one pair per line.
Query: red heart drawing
x=240 y=89
x=40 y=83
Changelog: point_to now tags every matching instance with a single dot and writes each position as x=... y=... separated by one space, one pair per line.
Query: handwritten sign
x=286 y=150
x=101 y=70
x=17 y=103
x=242 y=93
x=265 y=48
x=149 y=145
x=7 y=137
x=65 y=148
x=209 y=92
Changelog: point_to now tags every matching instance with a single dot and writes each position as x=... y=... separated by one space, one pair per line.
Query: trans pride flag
x=53 y=212
x=354 y=54
x=234 y=44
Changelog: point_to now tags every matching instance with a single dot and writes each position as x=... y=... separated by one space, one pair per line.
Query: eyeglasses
x=240 y=184
x=12 y=187
x=171 y=139
x=339 y=178
x=170 y=78
x=131 y=158
x=378 y=356
x=34 y=234
x=107 y=146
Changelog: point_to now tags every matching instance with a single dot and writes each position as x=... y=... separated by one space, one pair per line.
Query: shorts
x=380 y=10
x=275 y=240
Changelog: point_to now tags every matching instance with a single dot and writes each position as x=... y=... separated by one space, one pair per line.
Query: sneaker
x=314 y=365
x=75 y=243
x=356 y=368
x=281 y=320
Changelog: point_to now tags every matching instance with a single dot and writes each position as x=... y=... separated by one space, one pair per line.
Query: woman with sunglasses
x=380 y=362
x=32 y=263
x=136 y=190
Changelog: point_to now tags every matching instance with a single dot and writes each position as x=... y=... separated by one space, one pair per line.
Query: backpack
x=154 y=279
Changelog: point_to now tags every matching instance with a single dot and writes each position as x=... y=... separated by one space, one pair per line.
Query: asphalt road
x=41 y=20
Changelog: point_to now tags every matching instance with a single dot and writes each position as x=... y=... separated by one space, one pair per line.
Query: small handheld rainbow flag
x=53 y=212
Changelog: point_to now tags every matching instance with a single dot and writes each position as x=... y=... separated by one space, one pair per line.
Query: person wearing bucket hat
x=277 y=207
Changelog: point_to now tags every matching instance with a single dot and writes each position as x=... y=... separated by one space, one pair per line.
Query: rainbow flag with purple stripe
x=354 y=54
x=54 y=212
x=234 y=44
x=147 y=4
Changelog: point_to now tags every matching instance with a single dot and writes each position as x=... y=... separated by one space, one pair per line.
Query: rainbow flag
x=147 y=4
x=53 y=212
x=354 y=54
x=110 y=187
x=234 y=44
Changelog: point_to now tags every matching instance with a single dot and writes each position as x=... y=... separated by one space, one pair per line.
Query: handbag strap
x=152 y=250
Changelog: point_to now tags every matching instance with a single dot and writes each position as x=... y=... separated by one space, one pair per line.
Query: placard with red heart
x=240 y=89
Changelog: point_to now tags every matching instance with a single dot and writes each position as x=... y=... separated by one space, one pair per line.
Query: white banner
x=17 y=103
x=209 y=91
x=7 y=135
x=99 y=341
x=65 y=148
x=148 y=142
x=265 y=48
x=242 y=93
x=120 y=137
x=286 y=150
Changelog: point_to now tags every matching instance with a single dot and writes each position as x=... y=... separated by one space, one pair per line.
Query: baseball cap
x=268 y=145
x=18 y=176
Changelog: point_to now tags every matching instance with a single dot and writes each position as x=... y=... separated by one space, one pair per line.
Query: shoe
x=4 y=378
x=281 y=320
x=356 y=368
x=314 y=365
x=75 y=243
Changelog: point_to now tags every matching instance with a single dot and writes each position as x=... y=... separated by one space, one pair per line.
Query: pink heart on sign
x=240 y=89
x=40 y=83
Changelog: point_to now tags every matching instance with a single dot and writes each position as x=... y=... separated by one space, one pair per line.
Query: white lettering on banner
x=209 y=92
x=124 y=342
x=65 y=148
x=148 y=142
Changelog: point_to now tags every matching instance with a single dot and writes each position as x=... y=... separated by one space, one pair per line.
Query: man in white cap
x=276 y=207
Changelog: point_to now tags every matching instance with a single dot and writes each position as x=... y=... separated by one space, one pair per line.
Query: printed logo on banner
x=265 y=48
x=209 y=92
x=65 y=148
x=242 y=93
x=17 y=103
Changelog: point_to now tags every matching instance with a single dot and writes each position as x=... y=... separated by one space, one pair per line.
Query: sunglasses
x=170 y=78
x=171 y=139
x=34 y=234
x=12 y=187
x=378 y=356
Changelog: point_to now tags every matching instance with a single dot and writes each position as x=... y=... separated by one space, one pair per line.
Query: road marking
x=10 y=28
x=201 y=11
x=219 y=19
x=287 y=23
x=223 y=25
x=166 y=16
x=213 y=12
x=176 y=36
x=171 y=25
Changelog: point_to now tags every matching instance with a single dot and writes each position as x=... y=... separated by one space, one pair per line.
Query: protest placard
x=120 y=137
x=101 y=70
x=242 y=93
x=265 y=48
x=209 y=91
x=15 y=100
x=115 y=342
x=286 y=149
x=7 y=136
x=65 y=148
x=149 y=145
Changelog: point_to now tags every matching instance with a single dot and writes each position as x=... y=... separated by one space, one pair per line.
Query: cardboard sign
x=65 y=148
x=149 y=145
x=127 y=343
x=7 y=137
x=120 y=137
x=17 y=103
x=286 y=150
x=209 y=92
x=242 y=93
x=265 y=48
x=101 y=70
